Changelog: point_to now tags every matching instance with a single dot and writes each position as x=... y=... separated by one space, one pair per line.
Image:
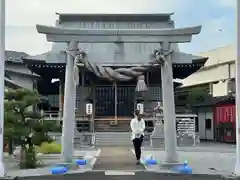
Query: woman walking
x=137 y=127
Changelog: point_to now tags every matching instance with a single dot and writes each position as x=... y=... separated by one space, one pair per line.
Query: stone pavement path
x=201 y=162
x=116 y=158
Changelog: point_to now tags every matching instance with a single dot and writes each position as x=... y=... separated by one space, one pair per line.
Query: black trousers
x=137 y=143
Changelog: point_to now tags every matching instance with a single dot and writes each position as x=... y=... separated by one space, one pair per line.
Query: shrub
x=25 y=127
x=48 y=148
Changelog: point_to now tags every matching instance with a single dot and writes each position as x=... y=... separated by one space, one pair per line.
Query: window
x=196 y=125
x=208 y=124
x=182 y=97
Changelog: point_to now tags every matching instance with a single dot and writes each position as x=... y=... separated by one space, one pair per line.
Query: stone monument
x=186 y=135
x=157 y=137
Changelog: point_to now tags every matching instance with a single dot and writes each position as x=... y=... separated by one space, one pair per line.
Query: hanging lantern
x=141 y=85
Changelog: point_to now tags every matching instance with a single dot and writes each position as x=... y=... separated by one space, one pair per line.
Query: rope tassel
x=75 y=73
x=141 y=85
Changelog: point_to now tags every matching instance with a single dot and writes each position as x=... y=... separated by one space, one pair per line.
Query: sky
x=217 y=18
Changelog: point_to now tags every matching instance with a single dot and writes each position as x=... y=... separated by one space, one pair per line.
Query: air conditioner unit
x=231 y=87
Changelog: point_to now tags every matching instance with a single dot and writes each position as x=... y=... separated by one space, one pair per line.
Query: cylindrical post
x=94 y=107
x=115 y=100
x=2 y=86
x=82 y=106
x=237 y=165
x=60 y=113
x=168 y=107
x=69 y=105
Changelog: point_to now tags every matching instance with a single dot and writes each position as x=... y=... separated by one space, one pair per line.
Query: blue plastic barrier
x=59 y=170
x=184 y=169
x=150 y=162
x=80 y=162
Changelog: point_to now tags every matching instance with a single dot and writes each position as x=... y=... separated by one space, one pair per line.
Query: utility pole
x=237 y=79
x=2 y=83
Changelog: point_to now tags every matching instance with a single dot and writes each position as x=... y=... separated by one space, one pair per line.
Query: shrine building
x=51 y=65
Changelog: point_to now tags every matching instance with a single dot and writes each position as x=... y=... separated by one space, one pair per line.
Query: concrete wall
x=205 y=131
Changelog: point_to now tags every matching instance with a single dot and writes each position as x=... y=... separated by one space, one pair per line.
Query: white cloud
x=23 y=15
x=30 y=12
x=26 y=39
x=229 y=3
x=226 y=3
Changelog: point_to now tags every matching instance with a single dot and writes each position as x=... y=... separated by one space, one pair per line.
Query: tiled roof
x=10 y=83
x=14 y=56
x=114 y=17
x=220 y=55
x=216 y=68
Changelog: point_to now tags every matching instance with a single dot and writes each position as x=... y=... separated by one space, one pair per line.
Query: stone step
x=112 y=130
x=113 y=144
x=108 y=144
x=114 y=141
x=110 y=133
x=107 y=125
x=113 y=138
x=120 y=141
x=122 y=126
x=112 y=127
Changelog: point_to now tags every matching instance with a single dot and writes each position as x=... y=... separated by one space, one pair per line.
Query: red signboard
x=225 y=118
x=225 y=113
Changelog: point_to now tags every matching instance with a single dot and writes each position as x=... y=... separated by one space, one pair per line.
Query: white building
x=218 y=74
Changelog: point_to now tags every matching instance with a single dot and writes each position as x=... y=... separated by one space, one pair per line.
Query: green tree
x=196 y=95
x=23 y=125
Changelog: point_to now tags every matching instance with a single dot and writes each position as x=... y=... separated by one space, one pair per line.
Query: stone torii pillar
x=69 y=104
x=163 y=36
x=169 y=114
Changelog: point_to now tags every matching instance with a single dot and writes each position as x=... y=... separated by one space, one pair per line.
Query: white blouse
x=137 y=128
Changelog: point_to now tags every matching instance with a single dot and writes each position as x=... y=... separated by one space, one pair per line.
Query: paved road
x=116 y=158
x=141 y=175
x=205 y=155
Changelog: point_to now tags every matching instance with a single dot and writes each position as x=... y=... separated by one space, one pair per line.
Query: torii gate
x=162 y=36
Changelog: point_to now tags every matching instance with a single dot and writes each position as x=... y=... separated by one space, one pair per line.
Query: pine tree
x=23 y=125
